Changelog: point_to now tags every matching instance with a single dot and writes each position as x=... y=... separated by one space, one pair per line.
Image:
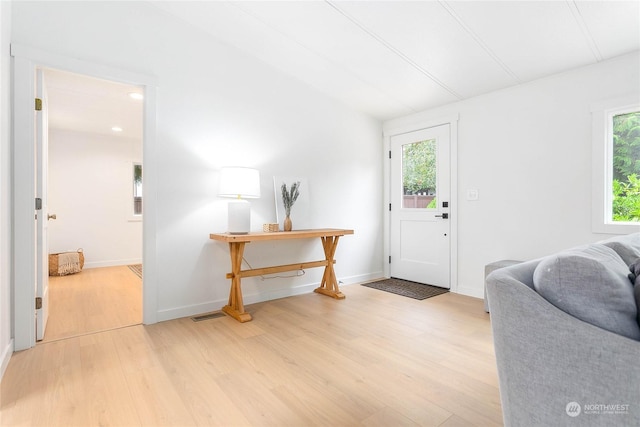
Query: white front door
x=42 y=213
x=420 y=206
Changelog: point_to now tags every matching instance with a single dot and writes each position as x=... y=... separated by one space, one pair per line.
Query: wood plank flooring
x=374 y=359
x=96 y=299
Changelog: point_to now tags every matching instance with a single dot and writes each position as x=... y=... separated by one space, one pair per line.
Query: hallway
x=94 y=300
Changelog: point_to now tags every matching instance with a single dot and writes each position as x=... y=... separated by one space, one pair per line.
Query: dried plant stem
x=289 y=197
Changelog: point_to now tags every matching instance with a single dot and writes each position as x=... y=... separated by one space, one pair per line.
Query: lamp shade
x=239 y=183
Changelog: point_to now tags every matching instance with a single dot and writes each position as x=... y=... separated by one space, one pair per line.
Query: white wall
x=216 y=107
x=527 y=150
x=6 y=312
x=91 y=193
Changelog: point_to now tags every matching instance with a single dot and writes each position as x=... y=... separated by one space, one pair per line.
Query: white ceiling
x=384 y=58
x=87 y=104
x=392 y=58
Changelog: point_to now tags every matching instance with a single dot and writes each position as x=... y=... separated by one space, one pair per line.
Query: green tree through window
x=419 y=167
x=137 y=189
x=626 y=167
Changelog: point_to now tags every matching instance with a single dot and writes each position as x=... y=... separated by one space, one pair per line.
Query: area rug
x=137 y=269
x=406 y=288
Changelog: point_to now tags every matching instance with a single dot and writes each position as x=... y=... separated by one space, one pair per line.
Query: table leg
x=235 y=308
x=329 y=284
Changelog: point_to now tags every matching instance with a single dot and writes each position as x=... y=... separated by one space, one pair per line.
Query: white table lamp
x=239 y=183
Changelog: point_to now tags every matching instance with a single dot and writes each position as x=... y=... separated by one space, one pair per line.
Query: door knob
x=443 y=216
x=51 y=216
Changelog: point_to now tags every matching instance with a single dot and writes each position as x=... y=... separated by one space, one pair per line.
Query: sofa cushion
x=628 y=247
x=636 y=293
x=635 y=274
x=592 y=284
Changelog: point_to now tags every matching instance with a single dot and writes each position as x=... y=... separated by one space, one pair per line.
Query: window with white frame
x=137 y=189
x=616 y=167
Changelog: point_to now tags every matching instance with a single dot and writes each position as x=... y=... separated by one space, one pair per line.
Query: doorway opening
x=26 y=254
x=94 y=182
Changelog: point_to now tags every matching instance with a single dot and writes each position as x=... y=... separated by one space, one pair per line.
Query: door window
x=419 y=175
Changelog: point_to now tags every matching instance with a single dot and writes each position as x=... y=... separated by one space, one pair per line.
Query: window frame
x=602 y=164
x=133 y=216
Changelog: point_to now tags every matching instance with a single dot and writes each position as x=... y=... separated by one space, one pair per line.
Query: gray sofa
x=562 y=369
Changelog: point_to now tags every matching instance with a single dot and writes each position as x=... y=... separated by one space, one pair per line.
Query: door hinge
x=389 y=153
x=389 y=207
x=389 y=259
x=38 y=104
x=38 y=303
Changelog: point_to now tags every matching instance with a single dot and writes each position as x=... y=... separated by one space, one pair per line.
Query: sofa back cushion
x=592 y=284
x=635 y=276
x=628 y=247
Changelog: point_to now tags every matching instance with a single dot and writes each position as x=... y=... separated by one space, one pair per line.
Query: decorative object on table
x=64 y=263
x=240 y=183
x=289 y=197
x=302 y=215
x=270 y=228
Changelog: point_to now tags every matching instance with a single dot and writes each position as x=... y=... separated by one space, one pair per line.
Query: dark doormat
x=406 y=288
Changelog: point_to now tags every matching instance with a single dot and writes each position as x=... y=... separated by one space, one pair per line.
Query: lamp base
x=239 y=220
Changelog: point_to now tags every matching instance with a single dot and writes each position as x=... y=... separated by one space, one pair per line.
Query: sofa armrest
x=548 y=359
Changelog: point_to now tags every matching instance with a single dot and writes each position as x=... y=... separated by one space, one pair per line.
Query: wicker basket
x=270 y=227
x=53 y=264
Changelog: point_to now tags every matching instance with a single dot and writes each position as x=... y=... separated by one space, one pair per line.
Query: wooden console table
x=328 y=286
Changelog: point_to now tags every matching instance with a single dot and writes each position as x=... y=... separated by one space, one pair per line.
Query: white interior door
x=42 y=214
x=420 y=206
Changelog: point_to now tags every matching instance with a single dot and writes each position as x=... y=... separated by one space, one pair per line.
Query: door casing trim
x=25 y=61
x=388 y=133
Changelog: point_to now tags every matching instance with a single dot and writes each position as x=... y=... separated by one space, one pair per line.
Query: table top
x=280 y=235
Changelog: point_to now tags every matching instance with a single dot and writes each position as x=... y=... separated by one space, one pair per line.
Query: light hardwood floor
x=374 y=359
x=96 y=299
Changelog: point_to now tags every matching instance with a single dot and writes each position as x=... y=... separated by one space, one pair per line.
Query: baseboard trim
x=189 y=310
x=470 y=292
x=361 y=278
x=207 y=307
x=6 y=356
x=112 y=263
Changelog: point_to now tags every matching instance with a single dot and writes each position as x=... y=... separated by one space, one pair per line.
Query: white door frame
x=25 y=62
x=452 y=121
x=41 y=119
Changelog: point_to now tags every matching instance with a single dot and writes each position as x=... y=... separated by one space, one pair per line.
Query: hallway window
x=137 y=189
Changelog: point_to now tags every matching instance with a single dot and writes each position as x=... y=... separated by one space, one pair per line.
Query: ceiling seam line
x=478 y=40
x=394 y=50
x=346 y=70
x=577 y=16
